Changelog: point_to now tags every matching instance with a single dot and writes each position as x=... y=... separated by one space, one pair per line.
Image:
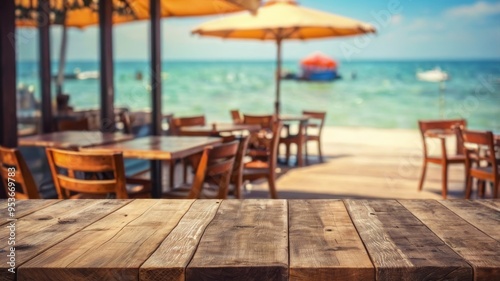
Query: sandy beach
x=365 y=163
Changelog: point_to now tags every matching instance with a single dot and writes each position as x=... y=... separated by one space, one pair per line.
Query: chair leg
x=238 y=186
x=184 y=171
x=481 y=184
x=287 y=153
x=496 y=186
x=468 y=187
x=444 y=192
x=422 y=177
x=319 y=151
x=172 y=173
x=271 y=179
x=306 y=153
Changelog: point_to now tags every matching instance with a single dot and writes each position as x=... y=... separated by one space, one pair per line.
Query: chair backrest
x=240 y=156
x=176 y=123
x=87 y=173
x=480 y=145
x=73 y=125
x=264 y=146
x=265 y=121
x=215 y=166
x=236 y=116
x=15 y=173
x=446 y=125
x=317 y=117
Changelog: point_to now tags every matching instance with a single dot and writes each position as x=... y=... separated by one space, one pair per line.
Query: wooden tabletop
x=147 y=239
x=73 y=139
x=159 y=147
x=217 y=128
x=288 y=118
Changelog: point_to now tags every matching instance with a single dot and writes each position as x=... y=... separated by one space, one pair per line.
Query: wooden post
x=155 y=8
x=44 y=65
x=8 y=113
x=278 y=79
x=106 y=74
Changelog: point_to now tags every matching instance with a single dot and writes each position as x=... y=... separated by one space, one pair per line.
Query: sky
x=406 y=29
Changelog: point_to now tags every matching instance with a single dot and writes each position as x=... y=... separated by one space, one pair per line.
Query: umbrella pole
x=62 y=60
x=278 y=79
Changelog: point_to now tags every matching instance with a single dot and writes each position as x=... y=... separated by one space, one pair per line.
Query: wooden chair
x=265 y=121
x=89 y=175
x=236 y=116
x=480 y=161
x=437 y=129
x=264 y=160
x=316 y=122
x=13 y=166
x=176 y=123
x=73 y=125
x=237 y=174
x=214 y=168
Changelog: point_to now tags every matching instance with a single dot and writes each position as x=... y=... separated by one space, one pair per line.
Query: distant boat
x=435 y=75
x=81 y=75
x=316 y=67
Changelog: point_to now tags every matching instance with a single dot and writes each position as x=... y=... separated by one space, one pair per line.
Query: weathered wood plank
x=247 y=240
x=324 y=244
x=478 y=249
x=400 y=246
x=46 y=227
x=112 y=248
x=169 y=261
x=26 y=207
x=477 y=214
x=494 y=204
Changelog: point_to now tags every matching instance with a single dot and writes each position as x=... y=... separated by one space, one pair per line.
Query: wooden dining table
x=73 y=139
x=264 y=239
x=158 y=148
x=216 y=129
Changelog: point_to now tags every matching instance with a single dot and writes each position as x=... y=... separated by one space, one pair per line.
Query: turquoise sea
x=383 y=94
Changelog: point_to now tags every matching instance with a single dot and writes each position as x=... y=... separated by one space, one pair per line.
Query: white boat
x=435 y=75
x=84 y=75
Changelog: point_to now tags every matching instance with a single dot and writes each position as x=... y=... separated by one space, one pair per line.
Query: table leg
x=156 y=179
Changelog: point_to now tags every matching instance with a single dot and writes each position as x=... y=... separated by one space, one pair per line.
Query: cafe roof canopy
x=82 y=13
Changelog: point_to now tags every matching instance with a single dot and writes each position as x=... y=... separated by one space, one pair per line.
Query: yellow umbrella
x=281 y=20
x=82 y=13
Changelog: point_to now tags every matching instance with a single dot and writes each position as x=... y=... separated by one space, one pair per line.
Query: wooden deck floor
x=365 y=163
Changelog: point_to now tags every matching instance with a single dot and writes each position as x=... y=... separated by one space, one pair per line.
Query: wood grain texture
x=494 y=204
x=400 y=246
x=26 y=207
x=169 y=261
x=247 y=240
x=73 y=139
x=324 y=244
x=112 y=248
x=478 y=249
x=46 y=227
x=159 y=147
x=477 y=214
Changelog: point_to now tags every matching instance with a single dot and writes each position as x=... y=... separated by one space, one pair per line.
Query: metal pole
x=44 y=70
x=106 y=74
x=155 y=8
x=62 y=60
x=278 y=79
x=8 y=106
